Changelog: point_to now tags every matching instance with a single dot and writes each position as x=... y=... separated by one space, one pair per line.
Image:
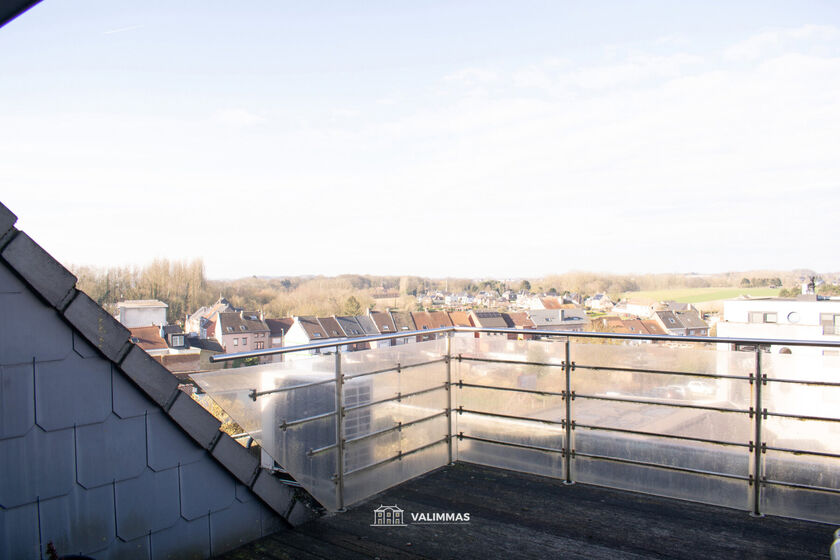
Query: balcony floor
x=515 y=515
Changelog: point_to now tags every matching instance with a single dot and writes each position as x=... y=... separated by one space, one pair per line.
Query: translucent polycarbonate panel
x=661 y=482
x=376 y=449
x=500 y=348
x=801 y=398
x=366 y=361
x=803 y=435
x=693 y=358
x=664 y=451
x=529 y=377
x=814 y=505
x=545 y=407
x=658 y=419
x=504 y=457
x=363 y=484
x=537 y=434
x=267 y=417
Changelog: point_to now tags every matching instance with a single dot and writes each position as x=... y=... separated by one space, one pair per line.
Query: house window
x=230 y=329
x=385 y=328
x=316 y=335
x=259 y=345
x=244 y=341
x=177 y=340
x=236 y=342
x=762 y=317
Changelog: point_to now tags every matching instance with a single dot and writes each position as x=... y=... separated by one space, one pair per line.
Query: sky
x=457 y=138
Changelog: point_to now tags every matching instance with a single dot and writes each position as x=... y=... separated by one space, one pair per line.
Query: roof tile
x=17 y=400
x=50 y=476
x=24 y=315
x=300 y=514
x=195 y=420
x=205 y=488
x=278 y=496
x=168 y=445
x=112 y=450
x=100 y=329
x=40 y=270
x=127 y=400
x=148 y=503
x=72 y=392
x=7 y=219
x=158 y=383
x=187 y=539
x=235 y=526
x=19 y=536
x=88 y=529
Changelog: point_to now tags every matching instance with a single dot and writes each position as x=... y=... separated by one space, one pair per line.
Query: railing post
x=757 y=443
x=339 y=428
x=567 y=456
x=449 y=418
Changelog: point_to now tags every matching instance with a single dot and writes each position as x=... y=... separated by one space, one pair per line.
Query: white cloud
x=775 y=41
x=237 y=117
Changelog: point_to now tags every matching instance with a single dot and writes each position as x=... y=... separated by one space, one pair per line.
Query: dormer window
x=385 y=328
x=316 y=335
x=230 y=329
x=242 y=328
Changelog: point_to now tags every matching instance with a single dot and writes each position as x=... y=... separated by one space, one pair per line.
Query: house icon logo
x=388 y=516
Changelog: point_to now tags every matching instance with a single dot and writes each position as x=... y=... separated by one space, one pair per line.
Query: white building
x=141 y=313
x=803 y=318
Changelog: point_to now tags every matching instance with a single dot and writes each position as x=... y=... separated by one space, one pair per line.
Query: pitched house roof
x=669 y=319
x=652 y=326
x=550 y=303
x=209 y=344
x=131 y=426
x=312 y=327
x=350 y=326
x=383 y=321
x=242 y=322
x=518 y=320
x=331 y=327
x=403 y=321
x=635 y=326
x=440 y=319
x=422 y=320
x=488 y=319
x=279 y=327
x=691 y=320
x=148 y=338
x=544 y=318
x=367 y=324
x=460 y=319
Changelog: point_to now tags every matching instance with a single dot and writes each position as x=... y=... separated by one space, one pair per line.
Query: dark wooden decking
x=515 y=515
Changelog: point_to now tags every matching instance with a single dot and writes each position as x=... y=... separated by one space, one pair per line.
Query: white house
x=141 y=313
x=802 y=318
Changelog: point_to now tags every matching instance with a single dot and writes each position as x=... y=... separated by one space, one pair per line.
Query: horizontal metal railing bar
x=460 y=384
x=800 y=486
x=398 y=367
x=655 y=434
x=539 y=332
x=397 y=397
x=254 y=393
x=804 y=382
x=661 y=403
x=664 y=372
x=398 y=457
x=284 y=424
x=798 y=417
x=398 y=426
x=462 y=410
x=512 y=444
x=803 y=452
x=497 y=361
x=661 y=466
x=327 y=343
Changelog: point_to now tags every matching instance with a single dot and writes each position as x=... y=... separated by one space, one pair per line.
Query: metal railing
x=757 y=412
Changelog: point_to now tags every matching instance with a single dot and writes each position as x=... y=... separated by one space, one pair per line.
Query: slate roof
x=368 y=326
x=544 y=318
x=350 y=326
x=242 y=322
x=210 y=344
x=669 y=319
x=488 y=319
x=384 y=323
x=691 y=320
x=148 y=338
x=99 y=426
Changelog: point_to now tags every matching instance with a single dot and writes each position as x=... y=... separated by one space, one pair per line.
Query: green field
x=697 y=295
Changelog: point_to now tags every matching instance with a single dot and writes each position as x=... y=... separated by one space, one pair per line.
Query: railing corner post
x=339 y=428
x=567 y=457
x=755 y=498
x=449 y=417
